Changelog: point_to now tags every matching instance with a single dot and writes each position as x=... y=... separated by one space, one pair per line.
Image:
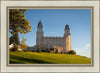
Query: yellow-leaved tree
x=23 y=44
x=17 y=24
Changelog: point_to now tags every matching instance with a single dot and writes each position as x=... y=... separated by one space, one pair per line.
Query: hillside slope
x=46 y=58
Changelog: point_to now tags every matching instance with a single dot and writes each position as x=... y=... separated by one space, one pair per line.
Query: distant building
x=62 y=44
x=11 y=46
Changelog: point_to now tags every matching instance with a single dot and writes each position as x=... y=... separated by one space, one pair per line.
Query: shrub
x=72 y=52
x=39 y=50
x=61 y=52
x=32 y=51
x=46 y=50
x=56 y=51
x=49 y=50
x=25 y=51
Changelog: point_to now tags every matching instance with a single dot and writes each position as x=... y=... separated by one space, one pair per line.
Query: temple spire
x=40 y=24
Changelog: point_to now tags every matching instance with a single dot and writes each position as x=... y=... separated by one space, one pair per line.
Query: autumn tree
x=14 y=39
x=23 y=44
x=18 y=23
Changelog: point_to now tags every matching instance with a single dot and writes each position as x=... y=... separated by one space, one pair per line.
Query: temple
x=62 y=44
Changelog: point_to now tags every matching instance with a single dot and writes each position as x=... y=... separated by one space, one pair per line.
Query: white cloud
x=84 y=51
x=86 y=46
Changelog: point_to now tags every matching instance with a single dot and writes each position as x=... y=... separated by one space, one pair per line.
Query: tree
x=46 y=50
x=49 y=50
x=56 y=51
x=39 y=50
x=18 y=23
x=72 y=52
x=11 y=40
x=14 y=39
x=23 y=44
x=61 y=52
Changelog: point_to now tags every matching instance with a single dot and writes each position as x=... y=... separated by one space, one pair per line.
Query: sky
x=54 y=21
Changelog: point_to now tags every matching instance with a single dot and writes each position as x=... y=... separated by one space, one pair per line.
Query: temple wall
x=50 y=42
x=69 y=42
x=61 y=43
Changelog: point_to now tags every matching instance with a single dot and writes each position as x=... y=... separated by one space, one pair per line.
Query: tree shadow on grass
x=22 y=60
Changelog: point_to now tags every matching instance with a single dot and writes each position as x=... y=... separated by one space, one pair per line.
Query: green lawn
x=46 y=58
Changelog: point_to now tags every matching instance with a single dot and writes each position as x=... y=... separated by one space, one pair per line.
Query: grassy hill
x=46 y=58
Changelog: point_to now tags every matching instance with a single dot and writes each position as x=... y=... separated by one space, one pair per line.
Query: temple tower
x=67 y=37
x=40 y=34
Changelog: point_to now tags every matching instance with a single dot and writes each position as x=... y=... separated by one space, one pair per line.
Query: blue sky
x=54 y=21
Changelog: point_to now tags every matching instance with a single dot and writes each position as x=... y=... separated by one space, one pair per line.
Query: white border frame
x=50 y=65
x=4 y=68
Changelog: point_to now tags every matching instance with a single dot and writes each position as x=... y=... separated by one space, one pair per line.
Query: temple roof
x=40 y=24
x=67 y=26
